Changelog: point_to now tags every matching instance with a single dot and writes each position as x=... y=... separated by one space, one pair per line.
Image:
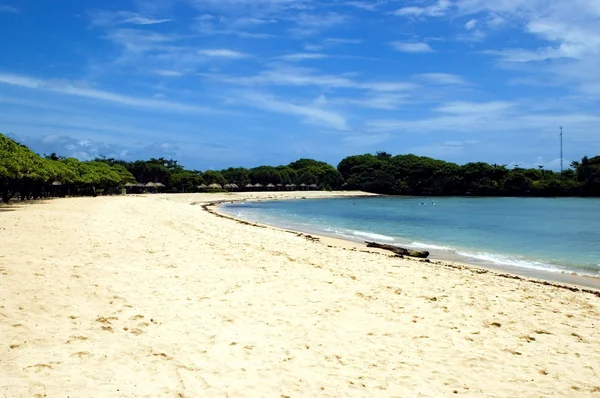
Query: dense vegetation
x=31 y=176
x=418 y=175
x=28 y=175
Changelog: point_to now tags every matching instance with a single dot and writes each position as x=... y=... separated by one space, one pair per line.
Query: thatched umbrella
x=140 y=185
x=227 y=186
x=234 y=186
x=202 y=186
x=215 y=186
x=130 y=185
x=279 y=187
x=313 y=186
x=292 y=186
x=257 y=185
x=56 y=183
x=159 y=185
x=150 y=185
x=249 y=186
x=270 y=186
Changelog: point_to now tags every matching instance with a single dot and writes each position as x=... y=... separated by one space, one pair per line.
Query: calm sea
x=545 y=234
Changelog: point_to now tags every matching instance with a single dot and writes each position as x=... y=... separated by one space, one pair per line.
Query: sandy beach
x=154 y=296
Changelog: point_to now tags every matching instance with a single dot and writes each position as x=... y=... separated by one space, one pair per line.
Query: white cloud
x=222 y=53
x=471 y=108
x=82 y=90
x=471 y=24
x=437 y=9
x=569 y=52
x=499 y=118
x=411 y=47
x=410 y=11
x=312 y=113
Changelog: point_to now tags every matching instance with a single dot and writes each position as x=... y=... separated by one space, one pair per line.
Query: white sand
x=149 y=296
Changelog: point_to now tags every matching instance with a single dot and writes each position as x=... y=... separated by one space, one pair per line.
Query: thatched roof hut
x=159 y=185
x=150 y=185
x=202 y=186
x=234 y=186
x=215 y=186
x=56 y=183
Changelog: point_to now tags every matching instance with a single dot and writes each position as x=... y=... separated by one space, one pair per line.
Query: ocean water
x=545 y=234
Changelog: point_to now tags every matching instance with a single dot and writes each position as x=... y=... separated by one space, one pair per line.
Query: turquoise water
x=546 y=234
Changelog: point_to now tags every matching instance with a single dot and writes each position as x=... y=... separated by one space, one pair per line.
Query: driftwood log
x=399 y=250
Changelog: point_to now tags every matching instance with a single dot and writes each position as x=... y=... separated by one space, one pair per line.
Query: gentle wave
x=419 y=245
x=372 y=235
x=512 y=261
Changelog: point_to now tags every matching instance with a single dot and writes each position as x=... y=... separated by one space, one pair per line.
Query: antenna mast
x=561 y=150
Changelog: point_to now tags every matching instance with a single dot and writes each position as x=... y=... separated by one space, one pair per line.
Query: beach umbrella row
x=255 y=186
x=154 y=185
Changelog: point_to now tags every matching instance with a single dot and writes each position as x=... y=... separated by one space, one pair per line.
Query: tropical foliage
x=419 y=175
x=29 y=175
x=32 y=176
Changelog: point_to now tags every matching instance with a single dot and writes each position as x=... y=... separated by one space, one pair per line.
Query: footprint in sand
x=73 y=339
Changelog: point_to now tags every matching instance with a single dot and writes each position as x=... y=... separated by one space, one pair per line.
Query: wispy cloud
x=208 y=25
x=441 y=78
x=437 y=9
x=408 y=47
x=378 y=100
x=499 y=117
x=370 y=6
x=311 y=113
x=83 y=90
x=310 y=24
x=297 y=76
x=303 y=56
x=107 y=18
x=222 y=53
x=168 y=73
x=334 y=40
x=7 y=8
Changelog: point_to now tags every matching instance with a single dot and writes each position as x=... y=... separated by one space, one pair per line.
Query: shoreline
x=588 y=283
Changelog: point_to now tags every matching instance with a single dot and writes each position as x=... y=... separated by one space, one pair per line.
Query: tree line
x=24 y=173
x=419 y=175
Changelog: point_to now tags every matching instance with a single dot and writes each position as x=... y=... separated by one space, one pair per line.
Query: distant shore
x=152 y=295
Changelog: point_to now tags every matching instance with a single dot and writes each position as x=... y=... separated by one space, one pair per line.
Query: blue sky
x=217 y=83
